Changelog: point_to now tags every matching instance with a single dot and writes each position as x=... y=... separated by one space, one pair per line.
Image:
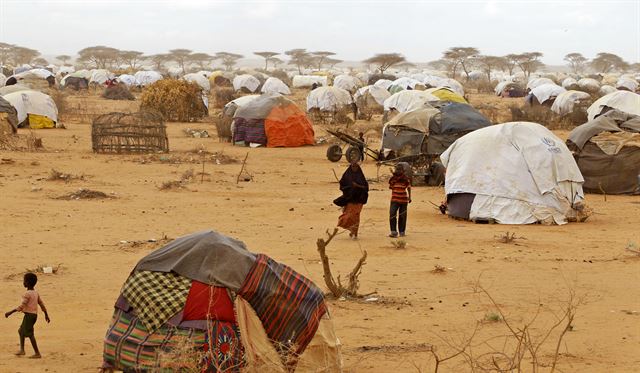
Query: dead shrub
x=56 y=175
x=118 y=92
x=223 y=128
x=60 y=99
x=26 y=143
x=222 y=96
x=84 y=194
x=176 y=100
x=541 y=114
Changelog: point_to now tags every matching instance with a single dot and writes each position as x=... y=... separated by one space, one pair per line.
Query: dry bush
x=185 y=179
x=541 y=114
x=26 y=143
x=60 y=99
x=399 y=244
x=118 y=92
x=508 y=237
x=84 y=194
x=492 y=112
x=481 y=85
x=56 y=175
x=223 y=128
x=176 y=100
x=222 y=96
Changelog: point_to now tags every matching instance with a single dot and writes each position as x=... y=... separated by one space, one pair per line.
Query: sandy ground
x=282 y=213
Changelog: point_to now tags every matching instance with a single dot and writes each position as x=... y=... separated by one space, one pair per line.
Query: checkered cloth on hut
x=156 y=296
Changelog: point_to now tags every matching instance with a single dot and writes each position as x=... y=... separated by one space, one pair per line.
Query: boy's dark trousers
x=396 y=209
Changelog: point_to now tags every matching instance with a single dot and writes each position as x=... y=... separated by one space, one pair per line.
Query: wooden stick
x=203 y=161
x=335 y=175
x=242 y=168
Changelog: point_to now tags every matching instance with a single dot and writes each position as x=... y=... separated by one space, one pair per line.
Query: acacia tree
x=180 y=56
x=321 y=56
x=267 y=56
x=159 y=60
x=332 y=61
x=100 y=56
x=489 y=63
x=460 y=57
x=298 y=57
x=529 y=62
x=200 y=59
x=63 y=58
x=39 y=61
x=227 y=59
x=275 y=62
x=22 y=55
x=131 y=58
x=5 y=52
x=576 y=61
x=511 y=61
x=385 y=60
x=606 y=62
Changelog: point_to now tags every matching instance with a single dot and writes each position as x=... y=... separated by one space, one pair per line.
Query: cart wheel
x=353 y=154
x=334 y=153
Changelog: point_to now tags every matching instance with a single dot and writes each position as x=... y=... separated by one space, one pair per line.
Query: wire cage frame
x=141 y=132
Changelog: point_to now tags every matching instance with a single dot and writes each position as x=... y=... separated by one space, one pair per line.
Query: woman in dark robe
x=355 y=193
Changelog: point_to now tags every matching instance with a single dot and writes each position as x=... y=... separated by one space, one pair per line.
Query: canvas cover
x=589 y=84
x=606 y=89
x=403 y=83
x=528 y=176
x=8 y=115
x=145 y=78
x=545 y=92
x=200 y=80
x=371 y=96
x=404 y=101
x=100 y=76
x=627 y=83
x=347 y=82
x=328 y=99
x=307 y=81
x=452 y=84
x=446 y=94
x=128 y=80
x=535 y=82
x=608 y=153
x=3 y=80
x=275 y=85
x=13 y=88
x=570 y=83
x=625 y=101
x=566 y=101
x=249 y=82
x=454 y=121
x=274 y=121
x=32 y=102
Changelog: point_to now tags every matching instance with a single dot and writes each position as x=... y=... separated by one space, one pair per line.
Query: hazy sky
x=355 y=30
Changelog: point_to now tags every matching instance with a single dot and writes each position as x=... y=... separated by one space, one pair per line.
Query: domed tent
x=246 y=82
x=274 y=121
x=347 y=82
x=236 y=308
x=307 y=81
x=370 y=100
x=508 y=88
x=201 y=80
x=589 y=85
x=544 y=94
x=13 y=88
x=221 y=78
x=384 y=83
x=34 y=109
x=567 y=101
x=275 y=85
x=452 y=84
x=570 y=84
x=627 y=84
x=607 y=150
x=128 y=80
x=529 y=176
x=446 y=94
x=534 y=82
x=100 y=76
x=8 y=118
x=403 y=83
x=624 y=101
x=331 y=100
x=145 y=78
x=408 y=100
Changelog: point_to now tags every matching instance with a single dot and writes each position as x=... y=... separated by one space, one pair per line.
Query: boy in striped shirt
x=400 y=185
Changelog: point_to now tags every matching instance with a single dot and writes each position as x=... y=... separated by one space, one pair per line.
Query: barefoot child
x=30 y=301
x=400 y=185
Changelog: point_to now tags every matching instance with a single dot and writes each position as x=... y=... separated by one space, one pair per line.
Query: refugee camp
x=320 y=187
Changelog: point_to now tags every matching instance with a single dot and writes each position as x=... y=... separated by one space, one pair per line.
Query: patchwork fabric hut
x=273 y=121
x=236 y=309
x=34 y=109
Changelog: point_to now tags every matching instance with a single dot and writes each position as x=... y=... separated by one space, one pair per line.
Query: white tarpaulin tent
x=589 y=84
x=32 y=102
x=145 y=78
x=250 y=82
x=128 y=80
x=546 y=91
x=3 y=79
x=566 y=101
x=328 y=99
x=528 y=176
x=534 y=82
x=404 y=83
x=347 y=82
x=625 y=101
x=606 y=89
x=569 y=82
x=627 y=83
x=13 y=88
x=379 y=94
x=100 y=76
x=452 y=84
x=404 y=101
x=306 y=81
x=34 y=73
x=384 y=83
x=275 y=85
x=200 y=80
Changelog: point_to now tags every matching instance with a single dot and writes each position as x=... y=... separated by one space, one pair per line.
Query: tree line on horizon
x=456 y=60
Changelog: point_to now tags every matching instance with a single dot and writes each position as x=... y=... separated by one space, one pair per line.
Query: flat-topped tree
x=490 y=63
x=202 y=60
x=22 y=55
x=460 y=57
x=385 y=60
x=267 y=56
x=577 y=62
x=228 y=60
x=298 y=57
x=511 y=61
x=321 y=56
x=529 y=62
x=180 y=56
x=39 y=61
x=606 y=62
x=159 y=60
x=131 y=58
x=332 y=61
x=64 y=59
x=100 y=56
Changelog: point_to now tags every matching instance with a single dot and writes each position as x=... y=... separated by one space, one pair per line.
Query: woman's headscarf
x=350 y=193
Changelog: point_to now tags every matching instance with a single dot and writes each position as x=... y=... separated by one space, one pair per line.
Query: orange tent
x=274 y=121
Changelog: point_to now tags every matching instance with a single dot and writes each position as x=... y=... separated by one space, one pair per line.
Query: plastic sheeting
x=589 y=84
x=306 y=81
x=566 y=101
x=201 y=80
x=347 y=82
x=384 y=83
x=100 y=76
x=408 y=100
x=627 y=83
x=328 y=99
x=32 y=102
x=275 y=85
x=128 y=80
x=535 y=82
x=377 y=93
x=546 y=91
x=146 y=78
x=625 y=101
x=528 y=176
x=250 y=82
